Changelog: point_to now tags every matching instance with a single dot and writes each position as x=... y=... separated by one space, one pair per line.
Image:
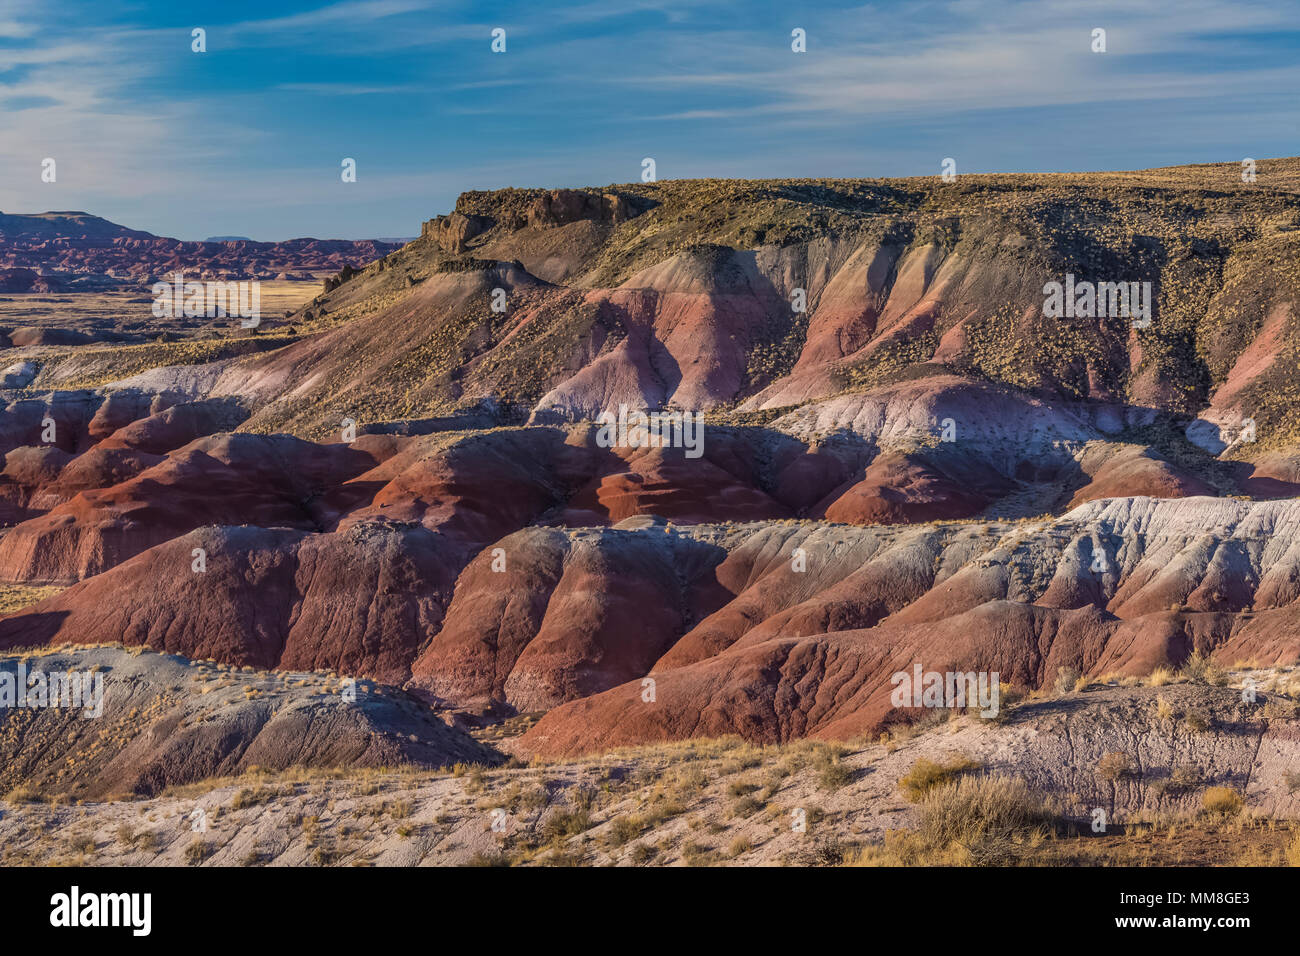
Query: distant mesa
x=74 y=251
x=26 y=280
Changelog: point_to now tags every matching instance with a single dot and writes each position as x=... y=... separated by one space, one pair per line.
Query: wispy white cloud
x=351 y=13
x=991 y=55
x=256 y=127
x=348 y=89
x=12 y=29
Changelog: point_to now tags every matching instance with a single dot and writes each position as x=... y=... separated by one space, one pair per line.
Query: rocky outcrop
x=559 y=207
x=343 y=275
x=452 y=233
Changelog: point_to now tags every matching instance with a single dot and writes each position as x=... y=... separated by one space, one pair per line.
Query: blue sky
x=247 y=138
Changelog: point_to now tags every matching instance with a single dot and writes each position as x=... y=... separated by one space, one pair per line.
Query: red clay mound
x=902 y=489
x=566 y=615
x=1272 y=476
x=772 y=631
x=1133 y=471
x=838 y=685
x=267 y=480
x=169 y=429
x=100 y=467
x=719 y=485
x=794 y=580
x=27 y=471
x=361 y=601
x=28 y=422
x=832 y=685
x=478 y=489
x=97 y=441
x=236 y=611
x=500 y=601
x=366 y=599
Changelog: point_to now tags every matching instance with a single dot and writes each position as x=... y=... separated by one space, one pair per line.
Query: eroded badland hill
x=905 y=455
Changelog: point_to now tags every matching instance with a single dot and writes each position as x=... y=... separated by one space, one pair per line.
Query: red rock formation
x=901 y=489
x=838 y=685
x=265 y=480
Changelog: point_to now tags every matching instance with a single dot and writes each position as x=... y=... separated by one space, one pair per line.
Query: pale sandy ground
x=71 y=310
x=191 y=350
x=701 y=802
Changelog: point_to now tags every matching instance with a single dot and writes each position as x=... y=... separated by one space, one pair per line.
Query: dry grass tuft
x=926 y=775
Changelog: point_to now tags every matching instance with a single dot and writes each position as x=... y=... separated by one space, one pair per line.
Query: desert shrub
x=326 y=856
x=1067 y=679
x=566 y=823
x=832 y=772
x=1197 y=721
x=925 y=775
x=643 y=853
x=1195 y=666
x=692 y=778
x=1009 y=694
x=1160 y=677
x=624 y=830
x=1164 y=710
x=24 y=793
x=980 y=813
x=1223 y=801
x=831 y=852
x=197 y=852
x=739 y=847
x=1185 y=776
x=660 y=810
x=697 y=854
x=970 y=821
x=1200 y=668
x=1279 y=707
x=251 y=798
x=744 y=760
x=562 y=858
x=535 y=798
x=1114 y=765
